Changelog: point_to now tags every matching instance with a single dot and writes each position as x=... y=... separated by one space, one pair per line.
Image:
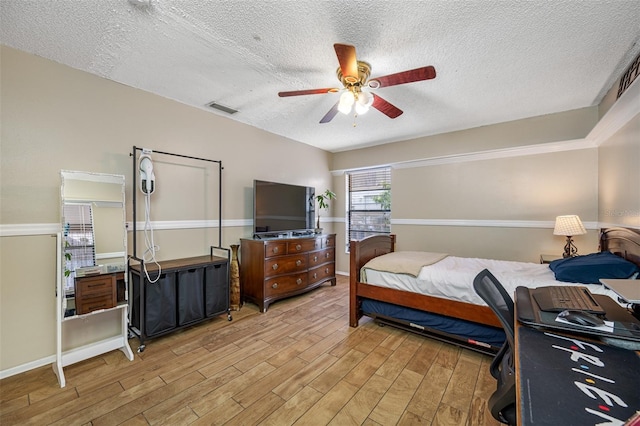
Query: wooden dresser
x=272 y=269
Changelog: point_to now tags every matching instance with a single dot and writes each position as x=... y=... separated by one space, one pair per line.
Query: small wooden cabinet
x=273 y=269
x=95 y=292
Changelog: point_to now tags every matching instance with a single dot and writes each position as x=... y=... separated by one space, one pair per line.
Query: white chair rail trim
x=26 y=229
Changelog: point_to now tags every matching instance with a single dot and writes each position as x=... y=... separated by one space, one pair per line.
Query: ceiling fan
x=354 y=76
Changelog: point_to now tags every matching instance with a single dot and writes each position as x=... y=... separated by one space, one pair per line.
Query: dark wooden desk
x=565 y=379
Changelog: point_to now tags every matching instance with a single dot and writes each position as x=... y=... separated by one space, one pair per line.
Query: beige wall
x=618 y=163
x=529 y=188
x=532 y=187
x=27 y=299
x=493 y=203
x=531 y=131
x=619 y=177
x=496 y=205
x=55 y=117
x=521 y=244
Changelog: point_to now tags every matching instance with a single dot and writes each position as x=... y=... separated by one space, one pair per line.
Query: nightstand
x=548 y=258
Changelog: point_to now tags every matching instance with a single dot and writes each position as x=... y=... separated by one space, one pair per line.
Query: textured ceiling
x=496 y=61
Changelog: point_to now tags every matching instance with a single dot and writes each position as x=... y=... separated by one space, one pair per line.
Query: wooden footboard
x=362 y=251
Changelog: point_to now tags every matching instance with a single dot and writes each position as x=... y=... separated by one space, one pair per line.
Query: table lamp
x=569 y=226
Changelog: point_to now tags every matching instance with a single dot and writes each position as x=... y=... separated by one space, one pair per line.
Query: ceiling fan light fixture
x=345 y=109
x=347 y=100
x=365 y=100
x=361 y=109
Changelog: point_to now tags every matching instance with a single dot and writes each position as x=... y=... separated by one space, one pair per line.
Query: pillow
x=588 y=269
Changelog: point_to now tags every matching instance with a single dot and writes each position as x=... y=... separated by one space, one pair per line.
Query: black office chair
x=502 y=402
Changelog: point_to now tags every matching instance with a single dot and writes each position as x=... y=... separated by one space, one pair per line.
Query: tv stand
x=275 y=268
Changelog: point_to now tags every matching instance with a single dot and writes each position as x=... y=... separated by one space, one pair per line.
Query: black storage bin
x=189 y=291
x=216 y=289
x=190 y=295
x=160 y=307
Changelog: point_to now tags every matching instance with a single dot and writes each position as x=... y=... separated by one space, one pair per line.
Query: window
x=79 y=245
x=369 y=208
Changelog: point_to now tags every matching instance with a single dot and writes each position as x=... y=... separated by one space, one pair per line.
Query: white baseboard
x=28 y=366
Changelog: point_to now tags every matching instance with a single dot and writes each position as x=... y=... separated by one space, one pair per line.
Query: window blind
x=79 y=240
x=369 y=209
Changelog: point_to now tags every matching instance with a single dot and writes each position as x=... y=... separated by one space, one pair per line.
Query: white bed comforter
x=452 y=278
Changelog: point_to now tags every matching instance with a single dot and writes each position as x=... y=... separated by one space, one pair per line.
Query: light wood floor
x=299 y=363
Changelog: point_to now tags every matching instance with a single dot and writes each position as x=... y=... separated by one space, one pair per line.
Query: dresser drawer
x=285 y=284
x=90 y=304
x=301 y=246
x=330 y=241
x=321 y=272
x=275 y=248
x=88 y=286
x=285 y=264
x=320 y=257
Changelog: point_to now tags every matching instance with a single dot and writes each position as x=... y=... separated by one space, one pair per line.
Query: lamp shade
x=568 y=226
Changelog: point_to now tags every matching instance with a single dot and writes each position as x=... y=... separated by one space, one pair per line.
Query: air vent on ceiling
x=629 y=76
x=222 y=108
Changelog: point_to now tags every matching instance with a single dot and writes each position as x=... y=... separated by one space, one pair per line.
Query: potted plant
x=323 y=203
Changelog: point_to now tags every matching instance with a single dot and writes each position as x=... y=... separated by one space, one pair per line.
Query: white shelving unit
x=80 y=337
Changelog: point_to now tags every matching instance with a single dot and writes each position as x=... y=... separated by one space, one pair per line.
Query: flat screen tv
x=281 y=207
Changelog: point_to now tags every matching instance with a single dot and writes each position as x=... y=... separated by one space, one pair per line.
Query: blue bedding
x=590 y=268
x=465 y=331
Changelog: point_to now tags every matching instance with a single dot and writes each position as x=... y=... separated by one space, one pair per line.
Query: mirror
x=94 y=236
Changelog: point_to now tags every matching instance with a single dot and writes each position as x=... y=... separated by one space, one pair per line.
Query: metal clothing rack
x=141 y=331
x=135 y=179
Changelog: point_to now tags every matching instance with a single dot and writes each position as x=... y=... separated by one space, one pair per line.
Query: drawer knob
x=326 y=255
x=275 y=266
x=274 y=285
x=326 y=270
x=315 y=258
x=298 y=262
x=275 y=249
x=315 y=275
x=299 y=281
x=298 y=247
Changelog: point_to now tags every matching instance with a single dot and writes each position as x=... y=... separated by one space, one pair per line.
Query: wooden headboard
x=624 y=242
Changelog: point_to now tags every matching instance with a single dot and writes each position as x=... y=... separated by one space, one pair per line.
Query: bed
x=443 y=314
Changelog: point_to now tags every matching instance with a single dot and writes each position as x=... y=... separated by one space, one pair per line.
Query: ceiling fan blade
x=347 y=58
x=418 y=74
x=385 y=107
x=332 y=113
x=307 y=92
